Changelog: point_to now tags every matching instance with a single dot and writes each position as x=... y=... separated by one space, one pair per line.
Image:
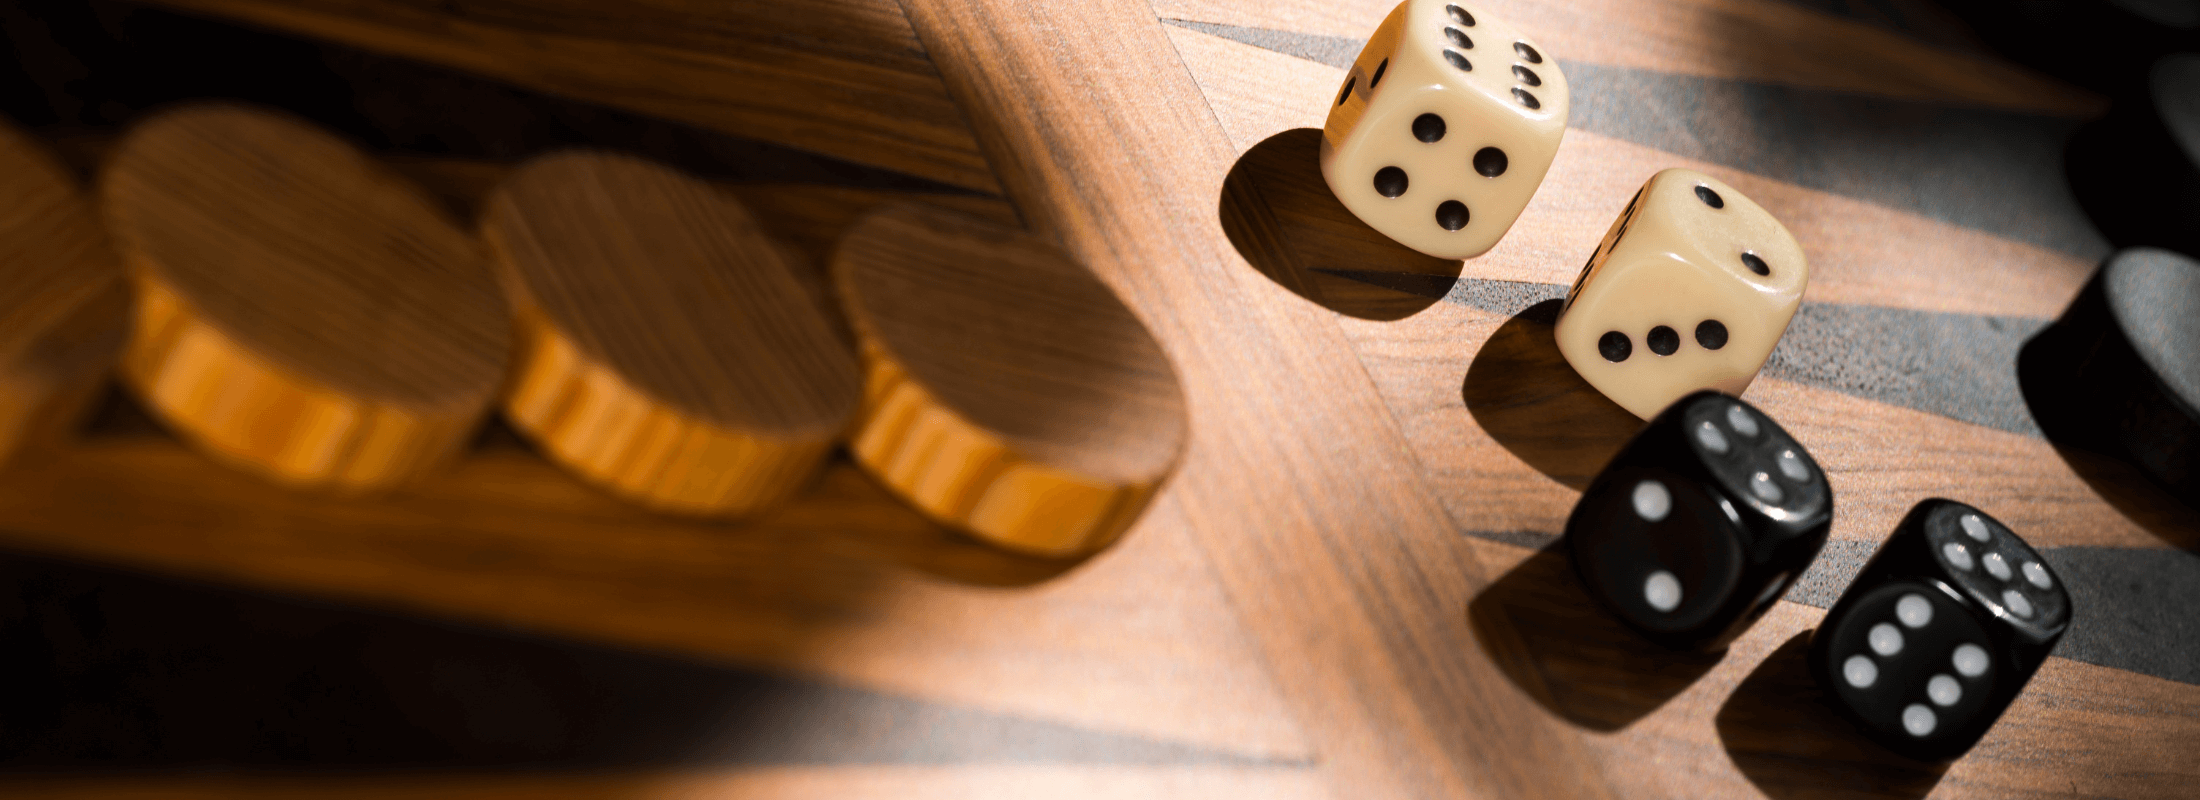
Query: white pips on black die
x=1700 y=522
x=1939 y=631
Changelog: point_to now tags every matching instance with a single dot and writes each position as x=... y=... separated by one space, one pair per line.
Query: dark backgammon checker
x=1700 y=522
x=2132 y=382
x=2137 y=171
x=2101 y=44
x=1940 y=631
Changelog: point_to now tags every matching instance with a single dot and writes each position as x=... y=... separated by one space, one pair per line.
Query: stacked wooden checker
x=64 y=308
x=1010 y=393
x=666 y=349
x=302 y=312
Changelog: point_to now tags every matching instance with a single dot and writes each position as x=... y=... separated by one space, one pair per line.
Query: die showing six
x=1939 y=631
x=1700 y=522
x=1690 y=289
x=1444 y=128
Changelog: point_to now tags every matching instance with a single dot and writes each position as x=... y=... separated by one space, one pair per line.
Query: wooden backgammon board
x=1345 y=589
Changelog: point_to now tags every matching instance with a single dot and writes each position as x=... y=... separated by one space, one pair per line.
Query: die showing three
x=1443 y=129
x=1690 y=289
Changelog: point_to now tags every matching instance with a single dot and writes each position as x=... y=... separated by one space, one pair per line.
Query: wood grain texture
x=845 y=582
x=1010 y=393
x=1007 y=782
x=1751 y=723
x=1860 y=252
x=1509 y=434
x=1340 y=558
x=666 y=348
x=64 y=306
x=1767 y=41
x=302 y=312
x=1314 y=585
x=845 y=78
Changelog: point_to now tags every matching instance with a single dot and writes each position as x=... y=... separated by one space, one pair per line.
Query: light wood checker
x=1010 y=393
x=302 y=312
x=64 y=307
x=665 y=347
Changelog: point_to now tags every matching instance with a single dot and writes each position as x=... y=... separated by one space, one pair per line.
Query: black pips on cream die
x=1444 y=127
x=1700 y=522
x=1939 y=631
x=1691 y=288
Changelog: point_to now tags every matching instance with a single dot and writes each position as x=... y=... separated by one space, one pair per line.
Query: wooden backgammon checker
x=64 y=308
x=1010 y=393
x=301 y=311
x=667 y=350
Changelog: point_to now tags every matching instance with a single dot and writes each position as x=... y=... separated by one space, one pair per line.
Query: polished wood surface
x=666 y=348
x=1342 y=591
x=1010 y=393
x=301 y=310
x=64 y=307
x=844 y=77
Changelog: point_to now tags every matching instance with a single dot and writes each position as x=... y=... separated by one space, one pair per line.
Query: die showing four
x=1444 y=128
x=1700 y=522
x=1690 y=289
x=1939 y=631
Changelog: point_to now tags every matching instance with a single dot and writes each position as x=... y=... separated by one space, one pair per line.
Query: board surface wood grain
x=666 y=347
x=845 y=78
x=1341 y=590
x=1010 y=392
x=302 y=311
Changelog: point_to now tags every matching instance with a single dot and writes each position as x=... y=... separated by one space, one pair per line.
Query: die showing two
x=1442 y=131
x=1700 y=522
x=1710 y=513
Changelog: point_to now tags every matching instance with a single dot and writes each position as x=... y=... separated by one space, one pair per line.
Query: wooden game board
x=1341 y=593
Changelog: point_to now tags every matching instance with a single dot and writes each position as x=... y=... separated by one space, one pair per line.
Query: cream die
x=1690 y=289
x=1444 y=128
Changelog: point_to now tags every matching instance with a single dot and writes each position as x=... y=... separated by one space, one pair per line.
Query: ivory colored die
x=1444 y=128
x=1689 y=290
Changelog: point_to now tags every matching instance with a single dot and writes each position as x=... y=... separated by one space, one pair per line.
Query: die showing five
x=1700 y=522
x=1441 y=133
x=1444 y=128
x=1939 y=631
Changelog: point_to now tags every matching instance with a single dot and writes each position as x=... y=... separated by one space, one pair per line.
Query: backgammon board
x=1346 y=589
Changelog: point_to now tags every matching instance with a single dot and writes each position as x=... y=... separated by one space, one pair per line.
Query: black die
x=1700 y=522
x=1939 y=631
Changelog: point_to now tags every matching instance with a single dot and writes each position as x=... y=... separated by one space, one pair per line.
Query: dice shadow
x=1555 y=642
x=2047 y=381
x=1782 y=733
x=1279 y=213
x=1523 y=394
